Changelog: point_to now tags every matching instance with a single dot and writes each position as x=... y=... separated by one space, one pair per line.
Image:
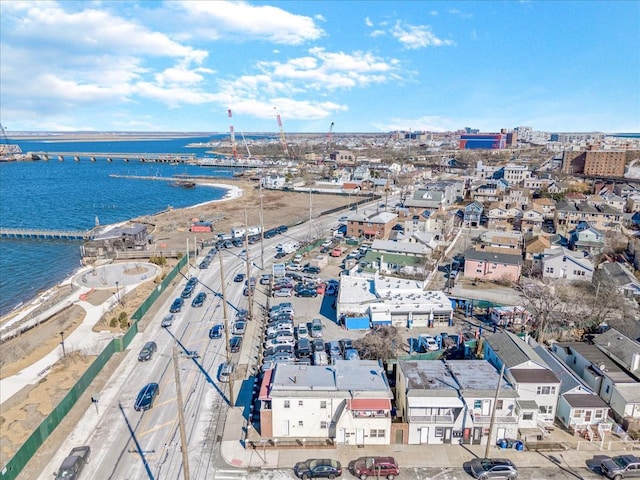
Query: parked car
x=311 y=269
x=304 y=347
x=216 y=331
x=296 y=267
x=346 y=344
x=265 y=279
x=307 y=292
x=250 y=281
x=167 y=321
x=280 y=255
x=187 y=292
x=242 y=314
x=248 y=289
x=239 y=327
x=147 y=351
x=331 y=289
x=279 y=349
x=226 y=370
x=238 y=278
x=318 y=468
x=234 y=344
x=282 y=340
x=279 y=327
x=199 y=300
x=282 y=292
x=302 y=331
x=279 y=357
x=351 y=354
x=376 y=467
x=176 y=306
x=282 y=229
x=487 y=468
x=73 y=464
x=317 y=345
x=622 y=466
x=146 y=397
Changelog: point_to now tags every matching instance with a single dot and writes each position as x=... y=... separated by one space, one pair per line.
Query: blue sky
x=366 y=66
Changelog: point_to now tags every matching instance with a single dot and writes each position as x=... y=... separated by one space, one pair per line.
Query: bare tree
x=545 y=303
x=379 y=344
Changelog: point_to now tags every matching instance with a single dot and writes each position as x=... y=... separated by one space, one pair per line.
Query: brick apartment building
x=594 y=163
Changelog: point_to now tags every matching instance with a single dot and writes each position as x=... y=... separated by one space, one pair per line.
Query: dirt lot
x=26 y=410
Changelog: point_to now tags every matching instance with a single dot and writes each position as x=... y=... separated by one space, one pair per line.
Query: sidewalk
x=433 y=456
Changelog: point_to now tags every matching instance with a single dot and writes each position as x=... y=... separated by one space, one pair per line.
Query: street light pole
x=64 y=354
x=117 y=292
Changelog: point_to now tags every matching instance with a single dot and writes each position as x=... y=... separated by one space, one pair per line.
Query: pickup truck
x=74 y=463
x=336 y=252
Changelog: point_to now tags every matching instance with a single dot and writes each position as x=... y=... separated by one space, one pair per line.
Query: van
x=226 y=370
x=316 y=328
x=320 y=358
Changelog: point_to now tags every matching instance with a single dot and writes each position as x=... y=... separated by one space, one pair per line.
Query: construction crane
x=233 y=137
x=283 y=140
x=327 y=147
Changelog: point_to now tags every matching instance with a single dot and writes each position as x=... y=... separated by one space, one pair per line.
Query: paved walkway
x=127 y=275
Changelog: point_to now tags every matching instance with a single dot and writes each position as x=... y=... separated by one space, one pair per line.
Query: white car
x=302 y=331
x=281 y=327
x=282 y=340
x=296 y=267
x=283 y=292
x=429 y=342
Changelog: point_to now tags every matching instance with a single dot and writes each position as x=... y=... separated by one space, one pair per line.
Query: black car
x=307 y=292
x=280 y=255
x=147 y=351
x=176 y=306
x=187 y=292
x=282 y=229
x=146 y=397
x=204 y=264
x=238 y=278
x=242 y=314
x=234 y=344
x=199 y=300
x=216 y=331
x=318 y=468
x=310 y=269
x=317 y=345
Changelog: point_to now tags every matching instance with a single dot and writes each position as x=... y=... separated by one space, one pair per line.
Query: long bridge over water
x=46 y=234
x=110 y=156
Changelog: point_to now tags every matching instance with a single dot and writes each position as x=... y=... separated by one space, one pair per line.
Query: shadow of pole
x=135 y=440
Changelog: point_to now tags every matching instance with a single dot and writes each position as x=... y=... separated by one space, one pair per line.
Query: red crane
x=283 y=140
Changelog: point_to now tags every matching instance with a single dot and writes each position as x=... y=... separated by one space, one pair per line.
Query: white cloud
x=368 y=22
x=417 y=36
x=214 y=18
x=433 y=123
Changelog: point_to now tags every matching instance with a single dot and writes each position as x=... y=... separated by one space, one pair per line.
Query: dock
x=22 y=233
x=110 y=156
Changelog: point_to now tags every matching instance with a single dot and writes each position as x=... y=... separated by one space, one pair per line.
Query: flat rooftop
x=479 y=376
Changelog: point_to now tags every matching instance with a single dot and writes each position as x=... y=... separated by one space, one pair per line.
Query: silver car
x=486 y=468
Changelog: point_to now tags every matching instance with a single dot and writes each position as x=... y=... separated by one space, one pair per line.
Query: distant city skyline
x=365 y=66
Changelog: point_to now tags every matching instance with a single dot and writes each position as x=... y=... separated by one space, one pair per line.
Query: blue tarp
x=357 y=323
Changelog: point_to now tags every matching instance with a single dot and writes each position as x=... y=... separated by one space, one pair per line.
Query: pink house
x=492 y=263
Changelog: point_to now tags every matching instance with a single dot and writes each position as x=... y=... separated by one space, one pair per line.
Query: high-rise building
x=594 y=163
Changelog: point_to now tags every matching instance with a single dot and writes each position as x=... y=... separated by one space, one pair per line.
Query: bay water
x=71 y=195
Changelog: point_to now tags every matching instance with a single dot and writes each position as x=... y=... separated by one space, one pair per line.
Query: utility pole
x=226 y=326
x=183 y=434
x=493 y=413
x=310 y=211
x=248 y=263
x=261 y=229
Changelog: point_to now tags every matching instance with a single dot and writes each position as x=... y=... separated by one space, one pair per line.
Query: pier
x=109 y=157
x=34 y=233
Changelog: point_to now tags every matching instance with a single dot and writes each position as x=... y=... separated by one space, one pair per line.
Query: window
x=578 y=413
x=549 y=270
x=286 y=404
x=300 y=423
x=323 y=425
x=477 y=404
x=548 y=390
x=439 y=431
x=323 y=404
x=300 y=403
x=376 y=433
x=499 y=404
x=545 y=409
x=527 y=416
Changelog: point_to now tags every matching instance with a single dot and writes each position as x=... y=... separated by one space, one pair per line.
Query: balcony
x=440 y=419
x=486 y=420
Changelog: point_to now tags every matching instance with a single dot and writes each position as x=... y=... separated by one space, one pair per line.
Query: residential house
x=625 y=397
x=517 y=197
x=536 y=183
x=537 y=386
x=585 y=238
x=602 y=374
x=502 y=218
x=603 y=218
x=494 y=238
x=375 y=225
x=484 y=172
x=360 y=174
x=534 y=246
x=473 y=214
x=487 y=193
x=515 y=174
x=564 y=264
x=619 y=277
x=425 y=199
x=546 y=205
x=429 y=404
x=614 y=201
x=509 y=316
x=346 y=403
x=532 y=219
x=490 y=263
x=579 y=407
x=478 y=382
x=389 y=257
x=558 y=187
x=342 y=156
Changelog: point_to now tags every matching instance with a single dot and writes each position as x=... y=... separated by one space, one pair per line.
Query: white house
x=273 y=181
x=346 y=403
x=561 y=263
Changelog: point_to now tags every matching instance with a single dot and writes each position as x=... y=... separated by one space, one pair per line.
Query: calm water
x=70 y=195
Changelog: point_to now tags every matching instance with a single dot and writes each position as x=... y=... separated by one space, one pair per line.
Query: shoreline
x=25 y=307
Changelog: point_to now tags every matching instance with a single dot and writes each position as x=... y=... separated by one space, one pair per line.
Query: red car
x=376 y=467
